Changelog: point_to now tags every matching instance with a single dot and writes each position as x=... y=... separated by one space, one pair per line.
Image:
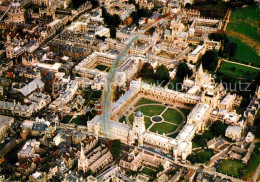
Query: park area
x=238 y=71
x=231 y=167
x=243 y=29
x=158 y=118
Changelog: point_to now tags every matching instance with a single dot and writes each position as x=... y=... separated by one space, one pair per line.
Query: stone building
x=16 y=14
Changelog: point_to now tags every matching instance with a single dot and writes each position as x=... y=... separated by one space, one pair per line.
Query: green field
x=151 y=110
x=145 y=101
x=163 y=128
x=172 y=116
x=131 y=118
x=148 y=122
x=80 y=120
x=186 y=112
x=243 y=29
x=238 y=71
x=148 y=171
x=101 y=67
x=230 y=167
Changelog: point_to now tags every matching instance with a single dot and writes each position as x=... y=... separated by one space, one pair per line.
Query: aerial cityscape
x=130 y=90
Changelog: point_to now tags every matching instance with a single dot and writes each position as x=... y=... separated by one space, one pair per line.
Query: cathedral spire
x=200 y=71
x=82 y=155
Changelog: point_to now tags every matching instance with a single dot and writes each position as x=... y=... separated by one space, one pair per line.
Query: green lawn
x=243 y=29
x=148 y=171
x=80 y=120
x=239 y=71
x=148 y=122
x=230 y=167
x=131 y=118
x=172 y=116
x=163 y=128
x=186 y=112
x=101 y=67
x=245 y=54
x=151 y=110
x=145 y=101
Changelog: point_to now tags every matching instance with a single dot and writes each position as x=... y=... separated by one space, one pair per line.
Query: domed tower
x=138 y=125
x=16 y=14
x=9 y=48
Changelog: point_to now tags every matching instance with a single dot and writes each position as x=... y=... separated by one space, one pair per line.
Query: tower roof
x=200 y=71
x=138 y=113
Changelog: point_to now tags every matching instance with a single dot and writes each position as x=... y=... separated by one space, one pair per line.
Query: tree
x=162 y=74
x=110 y=20
x=146 y=71
x=115 y=148
x=183 y=71
x=218 y=128
x=210 y=60
x=112 y=32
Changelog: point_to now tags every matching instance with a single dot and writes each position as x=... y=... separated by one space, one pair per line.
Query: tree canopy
x=147 y=71
x=115 y=148
x=110 y=20
x=218 y=128
x=183 y=70
x=162 y=74
x=210 y=60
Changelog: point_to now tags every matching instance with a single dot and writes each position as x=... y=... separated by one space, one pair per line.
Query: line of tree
x=161 y=74
x=210 y=60
x=228 y=49
x=75 y=4
x=110 y=20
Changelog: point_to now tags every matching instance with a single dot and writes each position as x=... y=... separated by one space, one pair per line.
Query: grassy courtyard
x=148 y=122
x=145 y=101
x=80 y=120
x=239 y=71
x=101 y=67
x=163 y=128
x=243 y=29
x=151 y=110
x=230 y=167
x=148 y=171
x=172 y=116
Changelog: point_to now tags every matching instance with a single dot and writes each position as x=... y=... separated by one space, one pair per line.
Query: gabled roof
x=32 y=86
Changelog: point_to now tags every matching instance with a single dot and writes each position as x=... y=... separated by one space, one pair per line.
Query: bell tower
x=9 y=48
x=138 y=125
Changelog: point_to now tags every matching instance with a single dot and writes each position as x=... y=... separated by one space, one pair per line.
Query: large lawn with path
x=163 y=128
x=238 y=71
x=230 y=167
x=158 y=118
x=151 y=110
x=243 y=29
x=145 y=101
x=172 y=116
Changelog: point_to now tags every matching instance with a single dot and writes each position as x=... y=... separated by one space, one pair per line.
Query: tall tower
x=138 y=125
x=199 y=75
x=82 y=161
x=9 y=48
